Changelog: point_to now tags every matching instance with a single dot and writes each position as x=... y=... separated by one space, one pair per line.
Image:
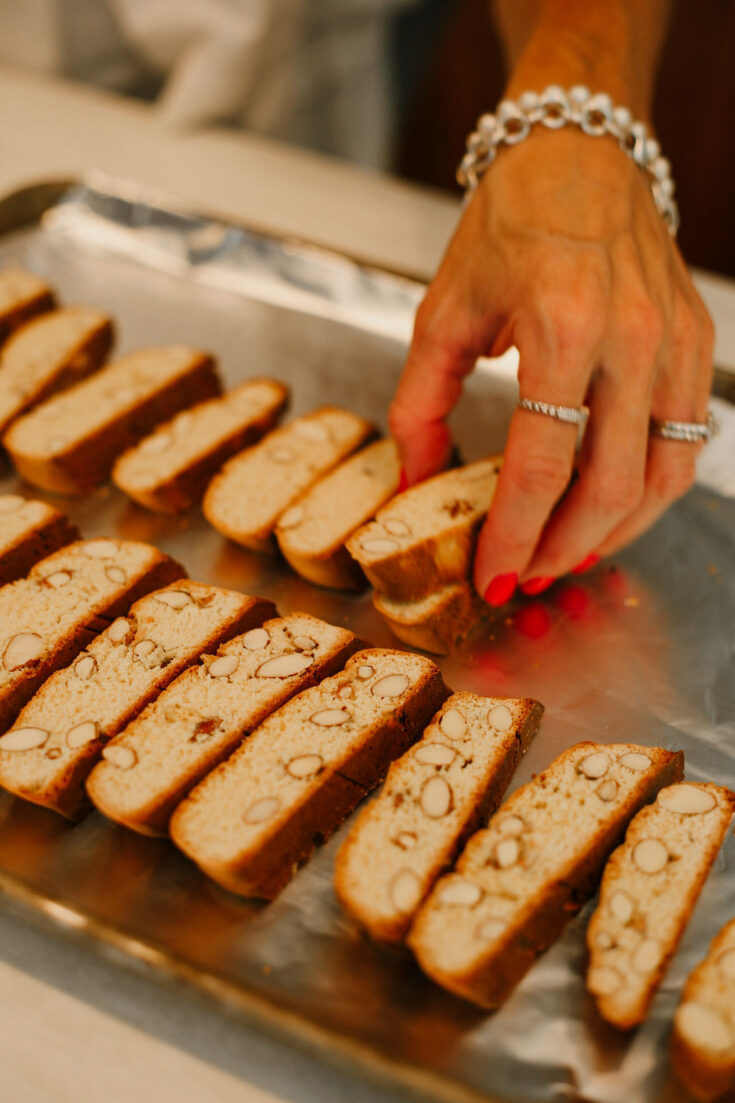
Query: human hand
x=562 y=253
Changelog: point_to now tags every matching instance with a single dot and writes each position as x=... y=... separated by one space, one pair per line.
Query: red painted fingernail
x=586 y=564
x=536 y=585
x=501 y=589
x=402 y=481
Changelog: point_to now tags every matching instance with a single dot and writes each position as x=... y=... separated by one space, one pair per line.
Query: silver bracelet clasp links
x=594 y=113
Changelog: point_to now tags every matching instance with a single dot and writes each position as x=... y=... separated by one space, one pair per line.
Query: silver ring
x=572 y=415
x=691 y=432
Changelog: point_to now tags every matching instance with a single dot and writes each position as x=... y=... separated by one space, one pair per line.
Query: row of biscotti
x=479 y=928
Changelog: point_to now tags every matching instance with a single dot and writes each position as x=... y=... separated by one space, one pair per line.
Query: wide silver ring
x=572 y=415
x=691 y=432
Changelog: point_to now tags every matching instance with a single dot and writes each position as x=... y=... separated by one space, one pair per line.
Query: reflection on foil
x=641 y=650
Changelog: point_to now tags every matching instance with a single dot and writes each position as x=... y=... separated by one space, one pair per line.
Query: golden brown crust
x=393 y=929
x=161 y=570
x=86 y=464
x=17 y=314
x=497 y=971
x=185 y=488
x=438 y=627
x=48 y=537
x=337 y=571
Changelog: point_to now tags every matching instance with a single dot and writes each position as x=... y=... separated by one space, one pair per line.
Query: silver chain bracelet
x=594 y=112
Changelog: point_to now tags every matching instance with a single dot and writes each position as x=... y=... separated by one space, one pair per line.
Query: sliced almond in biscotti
x=206 y=713
x=703 y=1038
x=121 y=670
x=49 y=354
x=258 y=815
x=649 y=889
x=168 y=471
x=29 y=530
x=433 y=798
x=246 y=499
x=312 y=533
x=519 y=881
x=436 y=623
x=425 y=537
x=69 y=444
x=22 y=296
x=48 y=617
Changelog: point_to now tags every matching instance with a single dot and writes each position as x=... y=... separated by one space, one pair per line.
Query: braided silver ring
x=691 y=432
x=572 y=415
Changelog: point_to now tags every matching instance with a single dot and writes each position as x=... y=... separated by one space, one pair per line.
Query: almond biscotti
x=207 y=712
x=520 y=880
x=29 y=531
x=424 y=538
x=649 y=890
x=48 y=617
x=69 y=444
x=168 y=471
x=22 y=296
x=246 y=499
x=49 y=354
x=703 y=1039
x=257 y=816
x=436 y=623
x=50 y=750
x=312 y=533
x=436 y=795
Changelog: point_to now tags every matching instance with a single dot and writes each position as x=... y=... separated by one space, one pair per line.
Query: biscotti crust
x=405 y=568
x=308 y=439
x=36 y=529
x=79 y=708
x=209 y=710
x=703 y=1038
x=405 y=838
x=76 y=360
x=258 y=861
x=495 y=939
x=649 y=889
x=436 y=624
x=80 y=467
x=186 y=486
x=360 y=485
x=91 y=565
x=22 y=296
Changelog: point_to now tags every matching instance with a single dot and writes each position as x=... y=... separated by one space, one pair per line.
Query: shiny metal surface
x=641 y=650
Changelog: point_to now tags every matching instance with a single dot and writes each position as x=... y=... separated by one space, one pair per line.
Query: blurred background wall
x=391 y=84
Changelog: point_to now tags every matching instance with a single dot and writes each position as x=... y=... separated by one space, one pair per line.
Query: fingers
x=447 y=340
x=539 y=453
x=611 y=476
x=681 y=394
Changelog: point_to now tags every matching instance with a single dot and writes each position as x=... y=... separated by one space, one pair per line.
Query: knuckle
x=576 y=321
x=615 y=492
x=671 y=480
x=643 y=325
x=539 y=474
x=686 y=329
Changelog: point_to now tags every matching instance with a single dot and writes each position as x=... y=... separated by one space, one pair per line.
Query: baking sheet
x=640 y=650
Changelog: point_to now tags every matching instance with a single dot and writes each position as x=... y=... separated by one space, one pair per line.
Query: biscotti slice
x=436 y=795
x=258 y=815
x=425 y=537
x=436 y=623
x=49 y=752
x=22 y=296
x=29 y=530
x=49 y=354
x=169 y=470
x=649 y=889
x=245 y=500
x=207 y=712
x=703 y=1039
x=47 y=617
x=69 y=444
x=312 y=533
x=519 y=881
